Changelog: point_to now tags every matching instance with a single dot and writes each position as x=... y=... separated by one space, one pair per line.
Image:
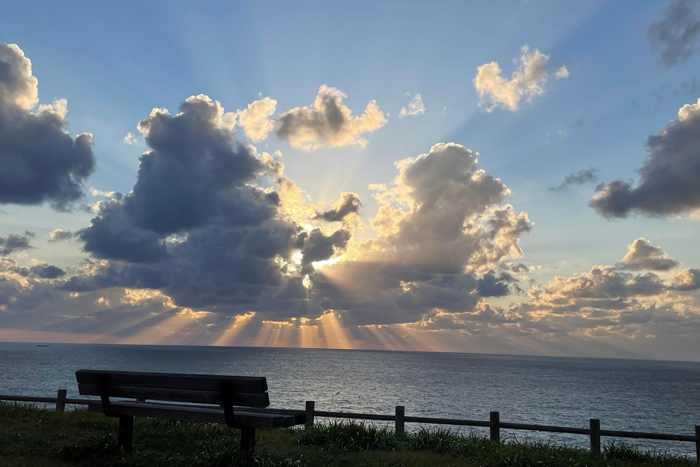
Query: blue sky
x=114 y=62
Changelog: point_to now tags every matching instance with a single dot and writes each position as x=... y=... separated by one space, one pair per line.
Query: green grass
x=32 y=437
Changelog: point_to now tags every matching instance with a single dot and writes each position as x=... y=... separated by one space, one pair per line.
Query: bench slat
x=242 y=418
x=241 y=384
x=177 y=395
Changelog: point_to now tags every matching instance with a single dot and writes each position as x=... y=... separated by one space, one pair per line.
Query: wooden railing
x=400 y=418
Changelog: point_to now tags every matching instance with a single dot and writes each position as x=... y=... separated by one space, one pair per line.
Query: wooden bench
x=207 y=398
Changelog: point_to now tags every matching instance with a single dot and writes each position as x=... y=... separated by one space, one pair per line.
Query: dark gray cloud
x=43 y=271
x=642 y=255
x=14 y=243
x=195 y=175
x=320 y=247
x=115 y=274
x=349 y=203
x=198 y=227
x=492 y=285
x=46 y=271
x=579 y=178
x=676 y=36
x=40 y=271
x=39 y=161
x=111 y=235
x=667 y=179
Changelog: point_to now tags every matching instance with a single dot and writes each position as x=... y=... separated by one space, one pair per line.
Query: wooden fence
x=400 y=418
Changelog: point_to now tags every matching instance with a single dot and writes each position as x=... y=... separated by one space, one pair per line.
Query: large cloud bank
x=214 y=244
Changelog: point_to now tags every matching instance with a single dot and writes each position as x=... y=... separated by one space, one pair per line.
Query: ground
x=32 y=437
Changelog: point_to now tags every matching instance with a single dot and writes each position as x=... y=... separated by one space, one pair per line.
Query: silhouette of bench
x=197 y=398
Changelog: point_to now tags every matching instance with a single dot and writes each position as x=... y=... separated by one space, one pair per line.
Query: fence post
x=310 y=413
x=495 y=426
x=697 y=442
x=595 y=434
x=61 y=400
x=400 y=415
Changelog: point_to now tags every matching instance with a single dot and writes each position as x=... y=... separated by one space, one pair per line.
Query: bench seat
x=242 y=418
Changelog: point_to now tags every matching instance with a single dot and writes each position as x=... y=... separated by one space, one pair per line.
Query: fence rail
x=400 y=419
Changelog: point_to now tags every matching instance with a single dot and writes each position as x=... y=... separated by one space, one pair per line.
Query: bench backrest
x=246 y=391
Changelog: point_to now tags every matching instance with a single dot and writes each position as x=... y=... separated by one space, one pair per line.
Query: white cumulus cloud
x=328 y=122
x=415 y=107
x=255 y=120
x=527 y=81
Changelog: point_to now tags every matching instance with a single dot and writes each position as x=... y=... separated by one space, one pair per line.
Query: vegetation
x=40 y=438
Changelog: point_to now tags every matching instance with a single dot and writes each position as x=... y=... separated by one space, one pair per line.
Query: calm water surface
x=638 y=395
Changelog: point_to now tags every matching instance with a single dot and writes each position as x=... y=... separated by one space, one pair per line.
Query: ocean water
x=639 y=395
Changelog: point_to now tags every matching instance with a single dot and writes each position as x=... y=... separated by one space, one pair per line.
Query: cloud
x=676 y=35
x=442 y=227
x=130 y=139
x=414 y=108
x=667 y=179
x=46 y=271
x=610 y=305
x=687 y=280
x=255 y=120
x=452 y=229
x=603 y=283
x=517 y=268
x=320 y=247
x=449 y=213
x=579 y=178
x=195 y=174
x=642 y=255
x=492 y=285
x=59 y=235
x=526 y=82
x=38 y=270
x=111 y=235
x=576 y=124
x=328 y=123
x=199 y=227
x=14 y=243
x=41 y=161
x=348 y=204
x=562 y=73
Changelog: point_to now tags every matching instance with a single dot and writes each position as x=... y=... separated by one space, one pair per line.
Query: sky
x=502 y=177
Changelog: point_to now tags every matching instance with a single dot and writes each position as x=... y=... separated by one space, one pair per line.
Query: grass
x=32 y=437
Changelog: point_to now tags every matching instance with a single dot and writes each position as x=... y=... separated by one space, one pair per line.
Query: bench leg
x=248 y=439
x=125 y=438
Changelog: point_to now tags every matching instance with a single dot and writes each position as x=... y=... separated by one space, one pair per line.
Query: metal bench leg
x=248 y=439
x=126 y=433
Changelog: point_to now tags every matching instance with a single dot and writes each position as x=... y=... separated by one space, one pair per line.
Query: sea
x=636 y=395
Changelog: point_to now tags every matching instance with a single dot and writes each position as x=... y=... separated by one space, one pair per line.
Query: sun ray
x=238 y=323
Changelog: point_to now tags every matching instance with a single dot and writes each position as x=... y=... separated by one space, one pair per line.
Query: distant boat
x=42 y=345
